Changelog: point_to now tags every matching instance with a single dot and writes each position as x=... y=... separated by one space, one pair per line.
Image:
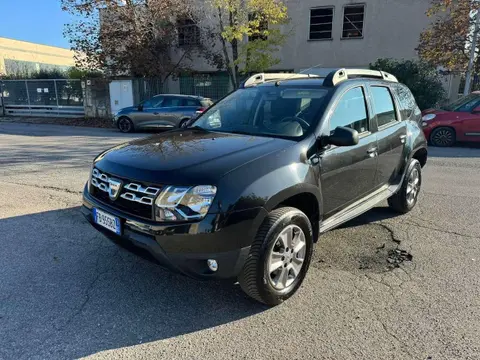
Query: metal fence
x=55 y=97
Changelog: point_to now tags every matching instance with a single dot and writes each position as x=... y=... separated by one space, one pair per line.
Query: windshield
x=266 y=110
x=463 y=104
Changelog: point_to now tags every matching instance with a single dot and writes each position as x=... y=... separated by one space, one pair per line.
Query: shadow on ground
x=66 y=292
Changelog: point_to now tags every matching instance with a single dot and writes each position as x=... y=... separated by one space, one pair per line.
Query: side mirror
x=140 y=107
x=343 y=136
x=476 y=110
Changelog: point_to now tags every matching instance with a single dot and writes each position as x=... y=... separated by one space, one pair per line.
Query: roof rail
x=260 y=78
x=337 y=76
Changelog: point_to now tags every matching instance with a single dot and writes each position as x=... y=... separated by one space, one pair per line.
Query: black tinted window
x=351 y=111
x=407 y=104
x=172 y=101
x=153 y=102
x=383 y=105
x=191 y=102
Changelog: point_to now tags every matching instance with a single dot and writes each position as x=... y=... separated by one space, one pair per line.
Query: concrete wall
x=38 y=55
x=391 y=30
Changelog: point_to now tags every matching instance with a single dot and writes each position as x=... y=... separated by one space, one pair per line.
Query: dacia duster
x=246 y=189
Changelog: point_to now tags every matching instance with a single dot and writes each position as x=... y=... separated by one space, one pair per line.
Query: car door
x=171 y=111
x=470 y=125
x=347 y=173
x=391 y=134
x=149 y=115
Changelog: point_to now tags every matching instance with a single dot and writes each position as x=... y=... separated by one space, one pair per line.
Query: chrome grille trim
x=101 y=182
x=142 y=200
x=140 y=189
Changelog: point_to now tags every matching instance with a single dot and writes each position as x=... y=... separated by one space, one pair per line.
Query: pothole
x=360 y=248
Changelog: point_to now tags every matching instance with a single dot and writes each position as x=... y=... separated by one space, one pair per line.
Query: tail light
x=200 y=110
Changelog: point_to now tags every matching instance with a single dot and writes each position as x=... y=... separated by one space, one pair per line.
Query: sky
x=38 y=21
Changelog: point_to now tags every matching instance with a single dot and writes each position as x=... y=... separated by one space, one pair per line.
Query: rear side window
x=191 y=102
x=383 y=105
x=351 y=111
x=407 y=105
x=172 y=101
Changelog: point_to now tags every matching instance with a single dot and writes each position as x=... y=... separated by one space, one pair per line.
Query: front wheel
x=406 y=198
x=125 y=125
x=279 y=257
x=443 y=136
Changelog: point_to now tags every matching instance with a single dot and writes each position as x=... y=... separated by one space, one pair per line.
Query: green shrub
x=422 y=78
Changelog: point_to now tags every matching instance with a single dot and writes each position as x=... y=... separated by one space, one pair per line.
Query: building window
x=353 y=16
x=321 y=20
x=188 y=32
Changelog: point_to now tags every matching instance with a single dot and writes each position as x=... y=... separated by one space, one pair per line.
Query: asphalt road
x=67 y=292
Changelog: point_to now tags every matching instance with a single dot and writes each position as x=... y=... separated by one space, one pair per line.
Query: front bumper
x=186 y=247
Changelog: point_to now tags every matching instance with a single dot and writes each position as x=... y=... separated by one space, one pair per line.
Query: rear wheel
x=406 y=198
x=125 y=125
x=183 y=123
x=279 y=257
x=443 y=136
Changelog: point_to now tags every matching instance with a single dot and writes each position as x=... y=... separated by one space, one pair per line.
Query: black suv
x=247 y=188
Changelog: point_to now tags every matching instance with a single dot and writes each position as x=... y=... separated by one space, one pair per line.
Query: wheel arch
x=306 y=198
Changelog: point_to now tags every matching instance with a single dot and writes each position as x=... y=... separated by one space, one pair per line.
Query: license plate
x=106 y=220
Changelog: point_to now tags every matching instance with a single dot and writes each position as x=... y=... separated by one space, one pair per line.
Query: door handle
x=372 y=152
x=403 y=138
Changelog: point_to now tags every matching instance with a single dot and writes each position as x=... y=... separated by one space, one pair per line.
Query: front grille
x=132 y=197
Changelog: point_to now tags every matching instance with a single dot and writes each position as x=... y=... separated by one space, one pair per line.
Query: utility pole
x=473 y=48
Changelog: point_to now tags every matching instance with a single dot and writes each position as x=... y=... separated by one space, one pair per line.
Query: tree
x=132 y=37
x=422 y=78
x=447 y=41
x=249 y=34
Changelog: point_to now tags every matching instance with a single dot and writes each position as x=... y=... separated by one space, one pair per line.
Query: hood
x=128 y=109
x=186 y=157
x=433 y=111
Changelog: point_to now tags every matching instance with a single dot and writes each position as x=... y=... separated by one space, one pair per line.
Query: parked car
x=246 y=190
x=160 y=112
x=458 y=121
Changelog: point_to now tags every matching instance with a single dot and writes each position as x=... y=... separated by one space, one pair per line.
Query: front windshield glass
x=463 y=104
x=269 y=111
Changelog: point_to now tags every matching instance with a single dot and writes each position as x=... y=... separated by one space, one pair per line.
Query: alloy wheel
x=286 y=257
x=413 y=186
x=443 y=137
x=124 y=125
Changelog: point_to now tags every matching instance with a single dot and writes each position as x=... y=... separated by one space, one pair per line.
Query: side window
x=407 y=104
x=172 y=101
x=383 y=105
x=351 y=111
x=157 y=101
x=191 y=102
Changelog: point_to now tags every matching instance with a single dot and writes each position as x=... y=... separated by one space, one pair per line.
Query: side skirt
x=359 y=207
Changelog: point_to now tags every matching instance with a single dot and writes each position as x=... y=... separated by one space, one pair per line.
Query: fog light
x=424 y=124
x=212 y=264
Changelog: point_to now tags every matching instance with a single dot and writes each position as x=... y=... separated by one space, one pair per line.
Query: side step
x=358 y=208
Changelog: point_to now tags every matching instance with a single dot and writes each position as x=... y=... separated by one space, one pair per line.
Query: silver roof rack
x=263 y=77
x=337 y=76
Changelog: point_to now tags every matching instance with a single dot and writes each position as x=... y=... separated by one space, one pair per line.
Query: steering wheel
x=305 y=125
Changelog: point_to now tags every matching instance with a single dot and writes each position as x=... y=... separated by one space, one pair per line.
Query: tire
x=125 y=125
x=269 y=248
x=183 y=123
x=406 y=198
x=443 y=137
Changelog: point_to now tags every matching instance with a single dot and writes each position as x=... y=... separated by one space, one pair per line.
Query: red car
x=458 y=121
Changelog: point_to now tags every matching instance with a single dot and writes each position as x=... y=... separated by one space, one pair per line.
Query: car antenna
x=277 y=83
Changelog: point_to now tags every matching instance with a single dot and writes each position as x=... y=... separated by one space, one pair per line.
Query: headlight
x=180 y=203
x=429 y=117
